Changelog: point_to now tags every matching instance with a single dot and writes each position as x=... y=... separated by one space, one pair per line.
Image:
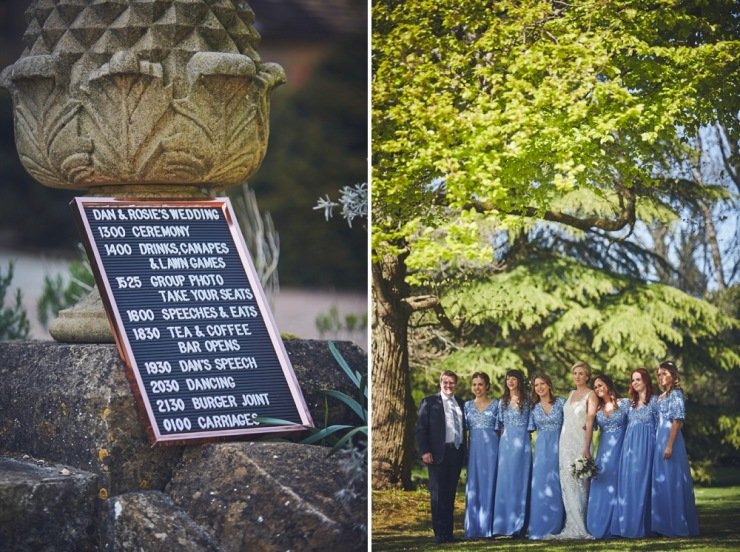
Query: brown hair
x=670 y=367
x=483 y=376
x=634 y=395
x=449 y=374
x=611 y=390
x=535 y=397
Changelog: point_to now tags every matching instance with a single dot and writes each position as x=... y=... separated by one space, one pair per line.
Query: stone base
x=72 y=404
x=86 y=322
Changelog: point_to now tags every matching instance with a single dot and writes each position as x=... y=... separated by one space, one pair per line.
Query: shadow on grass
x=401 y=520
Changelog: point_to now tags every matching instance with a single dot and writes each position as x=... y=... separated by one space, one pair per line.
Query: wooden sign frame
x=123 y=332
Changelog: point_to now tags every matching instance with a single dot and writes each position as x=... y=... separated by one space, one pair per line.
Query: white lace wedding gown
x=575 y=491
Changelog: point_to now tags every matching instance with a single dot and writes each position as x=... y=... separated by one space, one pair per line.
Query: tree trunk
x=711 y=235
x=393 y=409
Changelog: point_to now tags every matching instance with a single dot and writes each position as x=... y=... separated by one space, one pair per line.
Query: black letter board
x=190 y=319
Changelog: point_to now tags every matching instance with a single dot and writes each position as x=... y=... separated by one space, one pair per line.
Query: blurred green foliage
x=13 y=320
x=330 y=323
x=318 y=144
x=59 y=294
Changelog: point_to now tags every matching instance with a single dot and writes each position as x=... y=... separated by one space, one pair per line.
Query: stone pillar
x=139 y=98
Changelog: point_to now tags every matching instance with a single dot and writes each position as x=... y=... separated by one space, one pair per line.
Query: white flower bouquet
x=584 y=468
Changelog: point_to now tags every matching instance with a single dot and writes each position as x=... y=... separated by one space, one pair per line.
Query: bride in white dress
x=575 y=441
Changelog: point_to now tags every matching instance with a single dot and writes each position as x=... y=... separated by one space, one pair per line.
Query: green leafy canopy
x=613 y=321
x=516 y=104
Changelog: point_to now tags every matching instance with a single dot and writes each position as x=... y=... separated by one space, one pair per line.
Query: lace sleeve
x=676 y=406
x=496 y=413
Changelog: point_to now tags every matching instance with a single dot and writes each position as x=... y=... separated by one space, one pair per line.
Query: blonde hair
x=585 y=366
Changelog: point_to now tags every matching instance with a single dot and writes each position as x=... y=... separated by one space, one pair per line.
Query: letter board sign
x=203 y=353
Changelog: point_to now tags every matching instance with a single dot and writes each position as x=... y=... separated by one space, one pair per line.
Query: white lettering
x=177 y=280
x=210 y=383
x=204 y=294
x=161 y=231
x=189 y=313
x=104 y=214
x=222 y=345
x=188 y=347
x=255 y=399
x=194 y=365
x=173 y=295
x=236 y=363
x=206 y=280
x=227 y=421
x=217 y=401
x=220 y=330
x=194 y=214
x=243 y=311
x=236 y=294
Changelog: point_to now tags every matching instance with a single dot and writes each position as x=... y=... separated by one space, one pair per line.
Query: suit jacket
x=430 y=427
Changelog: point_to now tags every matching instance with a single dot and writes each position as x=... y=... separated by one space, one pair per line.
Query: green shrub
x=13 y=319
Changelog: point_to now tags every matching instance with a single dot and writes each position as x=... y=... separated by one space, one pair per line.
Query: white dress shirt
x=453 y=432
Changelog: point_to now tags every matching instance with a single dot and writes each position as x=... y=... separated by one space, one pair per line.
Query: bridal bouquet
x=584 y=468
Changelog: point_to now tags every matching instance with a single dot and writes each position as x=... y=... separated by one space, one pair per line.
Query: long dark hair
x=535 y=397
x=634 y=395
x=611 y=390
x=506 y=397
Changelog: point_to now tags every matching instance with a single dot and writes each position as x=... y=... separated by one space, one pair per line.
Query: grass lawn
x=401 y=520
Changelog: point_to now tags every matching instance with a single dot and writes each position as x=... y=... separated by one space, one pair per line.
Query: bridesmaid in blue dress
x=546 y=512
x=514 y=459
x=481 y=415
x=611 y=420
x=674 y=509
x=632 y=519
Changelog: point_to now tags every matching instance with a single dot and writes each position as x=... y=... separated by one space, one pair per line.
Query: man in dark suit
x=440 y=437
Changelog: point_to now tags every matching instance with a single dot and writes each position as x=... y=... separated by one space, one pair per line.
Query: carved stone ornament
x=141 y=97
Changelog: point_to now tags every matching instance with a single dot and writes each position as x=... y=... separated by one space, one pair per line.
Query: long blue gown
x=514 y=470
x=602 y=500
x=632 y=519
x=482 y=466
x=546 y=512
x=674 y=508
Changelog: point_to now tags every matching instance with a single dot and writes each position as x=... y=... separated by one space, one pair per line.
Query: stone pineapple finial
x=143 y=97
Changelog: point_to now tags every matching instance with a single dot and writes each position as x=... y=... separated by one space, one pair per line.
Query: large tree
x=507 y=118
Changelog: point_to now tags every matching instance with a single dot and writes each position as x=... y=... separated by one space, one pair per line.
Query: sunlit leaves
x=518 y=103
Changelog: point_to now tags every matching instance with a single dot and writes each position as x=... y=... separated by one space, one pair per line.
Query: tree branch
x=729 y=159
x=625 y=218
x=432 y=302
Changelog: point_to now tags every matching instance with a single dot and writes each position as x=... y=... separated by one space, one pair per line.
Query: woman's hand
x=668 y=452
x=427 y=458
x=586 y=453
